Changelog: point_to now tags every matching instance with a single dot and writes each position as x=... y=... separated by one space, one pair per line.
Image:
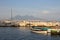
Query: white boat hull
x=40 y=32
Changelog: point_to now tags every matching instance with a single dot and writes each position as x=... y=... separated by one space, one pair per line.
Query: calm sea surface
x=22 y=33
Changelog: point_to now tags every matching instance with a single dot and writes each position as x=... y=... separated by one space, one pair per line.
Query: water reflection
x=23 y=33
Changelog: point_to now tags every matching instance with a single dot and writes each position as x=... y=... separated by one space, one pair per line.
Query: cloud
x=45 y=12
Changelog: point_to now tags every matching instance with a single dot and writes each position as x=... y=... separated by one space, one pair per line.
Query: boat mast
x=11 y=13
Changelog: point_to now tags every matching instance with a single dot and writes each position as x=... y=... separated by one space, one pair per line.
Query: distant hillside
x=26 y=17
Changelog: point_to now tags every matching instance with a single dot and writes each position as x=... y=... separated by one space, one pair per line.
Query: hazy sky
x=46 y=9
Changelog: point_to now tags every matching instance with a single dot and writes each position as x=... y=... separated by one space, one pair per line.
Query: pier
x=8 y=23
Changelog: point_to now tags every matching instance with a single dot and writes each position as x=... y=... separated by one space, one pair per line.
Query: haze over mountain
x=26 y=17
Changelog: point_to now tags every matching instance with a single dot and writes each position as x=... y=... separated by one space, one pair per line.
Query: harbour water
x=23 y=33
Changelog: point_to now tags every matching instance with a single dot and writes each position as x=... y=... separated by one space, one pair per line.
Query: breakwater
x=25 y=23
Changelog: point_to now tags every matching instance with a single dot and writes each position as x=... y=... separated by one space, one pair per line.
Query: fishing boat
x=54 y=31
x=37 y=29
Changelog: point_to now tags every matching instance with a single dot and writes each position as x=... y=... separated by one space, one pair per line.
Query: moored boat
x=37 y=29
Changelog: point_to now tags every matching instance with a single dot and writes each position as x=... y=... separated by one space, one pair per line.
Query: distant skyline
x=45 y=9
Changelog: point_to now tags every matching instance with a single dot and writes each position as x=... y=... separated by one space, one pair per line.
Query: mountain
x=26 y=17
